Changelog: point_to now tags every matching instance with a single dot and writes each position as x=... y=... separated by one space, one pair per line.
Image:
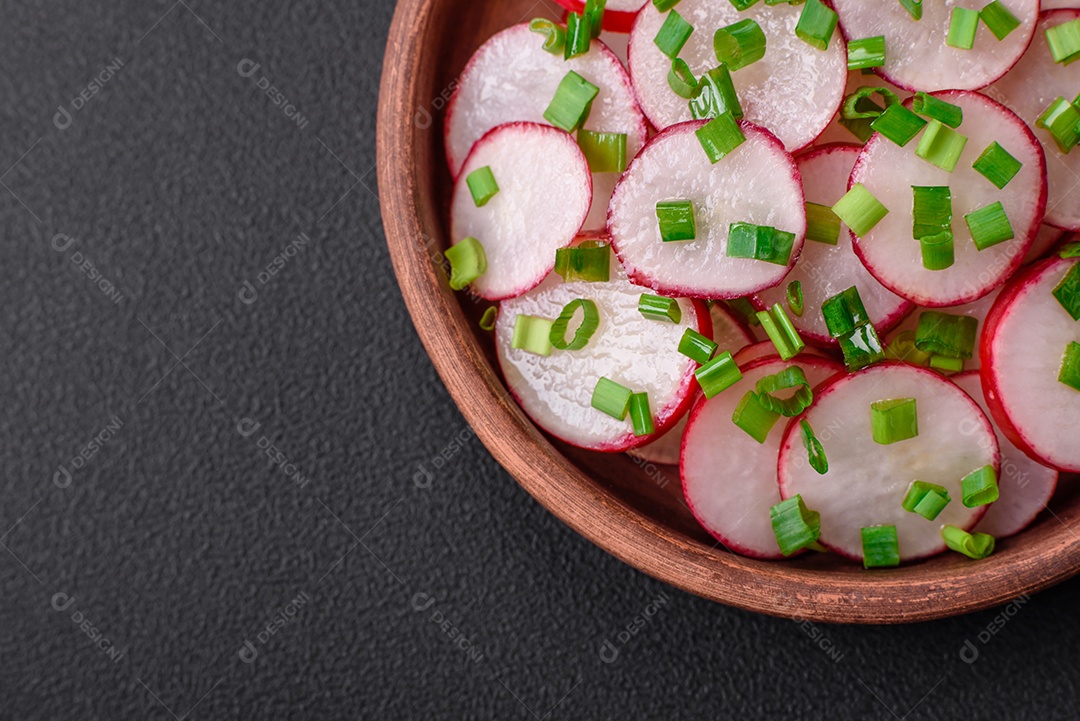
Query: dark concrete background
x=129 y=231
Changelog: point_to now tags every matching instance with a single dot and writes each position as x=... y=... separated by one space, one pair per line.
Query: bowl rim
x=912 y=593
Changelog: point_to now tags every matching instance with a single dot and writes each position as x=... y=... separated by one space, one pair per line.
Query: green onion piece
x=903 y=348
x=578 y=36
x=791 y=377
x=998 y=18
x=588 y=261
x=754 y=418
x=532 y=334
x=946 y=334
x=844 y=312
x=794 y=526
x=487 y=321
x=594 y=13
x=641 y=415
x=681 y=80
x=740 y=44
x=590 y=321
x=715 y=95
x=1069 y=250
x=795 y=297
x=745 y=309
x=940 y=145
x=926 y=499
x=572 y=102
x=973 y=545
x=866 y=110
x=815 y=451
x=860 y=210
x=657 y=307
x=759 y=242
x=938 y=251
x=697 y=347
x=946 y=364
x=914 y=8
x=997 y=165
x=482 y=185
x=673 y=34
x=676 y=220
x=1070 y=366
x=979 y=487
x=854 y=107
x=781 y=332
x=741 y=5
x=937 y=109
x=467 y=262
x=861 y=347
x=611 y=398
x=606 y=152
x=893 y=420
x=931 y=210
x=664 y=5
x=989 y=226
x=718 y=374
x=816 y=24
x=554 y=35
x=1061 y=120
x=720 y=136
x=822 y=224
x=866 y=53
x=1064 y=41
x=1067 y=292
x=881 y=547
x=898 y=124
x=963 y=25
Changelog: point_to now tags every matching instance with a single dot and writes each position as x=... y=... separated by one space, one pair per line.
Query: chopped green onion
x=641 y=415
x=795 y=297
x=893 y=420
x=815 y=451
x=1069 y=250
x=998 y=18
x=590 y=321
x=681 y=80
x=578 y=36
x=973 y=545
x=938 y=251
x=657 y=307
x=979 y=487
x=1070 y=366
x=715 y=95
x=864 y=111
x=554 y=35
x=781 y=332
x=963 y=25
x=664 y=5
x=759 y=242
x=673 y=34
x=794 y=526
x=926 y=499
x=1064 y=41
x=931 y=210
x=754 y=418
x=572 y=102
x=989 y=226
x=697 y=347
x=606 y=152
x=898 y=124
x=861 y=347
x=914 y=8
x=853 y=107
x=791 y=377
x=1067 y=292
x=594 y=13
x=946 y=334
x=866 y=53
x=487 y=321
x=822 y=224
x=860 y=210
x=611 y=398
x=880 y=546
x=720 y=136
x=997 y=165
x=745 y=309
x=740 y=44
x=676 y=220
x=718 y=375
x=816 y=24
x=1061 y=120
x=940 y=145
x=467 y=262
x=532 y=334
x=588 y=261
x=844 y=312
x=903 y=348
x=937 y=109
x=741 y=5
x=482 y=185
x=946 y=364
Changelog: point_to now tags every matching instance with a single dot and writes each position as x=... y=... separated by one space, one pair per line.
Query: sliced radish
x=618 y=43
x=793 y=91
x=756 y=183
x=729 y=334
x=976 y=309
x=766 y=348
x=824 y=270
x=1059 y=4
x=1022 y=347
x=729 y=479
x=628 y=348
x=1025 y=486
x=511 y=78
x=1028 y=89
x=835 y=132
x=917 y=57
x=520 y=228
x=618 y=14
x=889 y=171
x=1047 y=237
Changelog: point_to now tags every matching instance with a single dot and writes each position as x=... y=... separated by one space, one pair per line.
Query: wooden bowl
x=635 y=512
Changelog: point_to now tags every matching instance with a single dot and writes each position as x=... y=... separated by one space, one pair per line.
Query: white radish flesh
x=1047 y=237
x=977 y=309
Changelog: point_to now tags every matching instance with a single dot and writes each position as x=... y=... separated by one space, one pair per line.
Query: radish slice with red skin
x=618 y=14
x=1025 y=486
x=1026 y=334
x=520 y=228
x=793 y=91
x=511 y=78
x=835 y=132
x=824 y=270
x=756 y=183
x=1028 y=90
x=1058 y=4
x=1047 y=237
x=976 y=309
x=888 y=171
x=628 y=348
x=766 y=348
x=866 y=482
x=916 y=56
x=729 y=479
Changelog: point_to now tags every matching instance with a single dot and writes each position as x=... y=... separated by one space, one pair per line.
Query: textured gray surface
x=179 y=539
